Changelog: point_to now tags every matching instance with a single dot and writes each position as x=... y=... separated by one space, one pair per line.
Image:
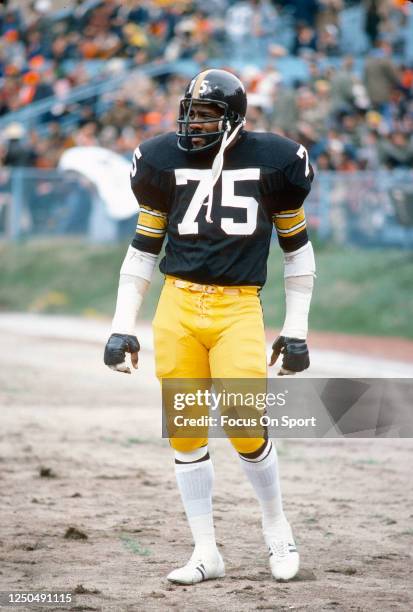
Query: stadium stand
x=336 y=75
x=354 y=111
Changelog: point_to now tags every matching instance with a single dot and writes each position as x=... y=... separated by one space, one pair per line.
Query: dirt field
x=81 y=448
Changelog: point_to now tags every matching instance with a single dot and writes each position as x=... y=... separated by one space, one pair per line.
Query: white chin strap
x=218 y=163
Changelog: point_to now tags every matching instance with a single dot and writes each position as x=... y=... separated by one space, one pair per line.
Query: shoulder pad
x=150 y=179
x=160 y=152
x=278 y=151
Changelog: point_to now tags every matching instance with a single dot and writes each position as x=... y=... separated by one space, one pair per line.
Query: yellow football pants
x=204 y=331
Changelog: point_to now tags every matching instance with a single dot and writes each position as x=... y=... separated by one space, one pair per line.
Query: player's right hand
x=115 y=352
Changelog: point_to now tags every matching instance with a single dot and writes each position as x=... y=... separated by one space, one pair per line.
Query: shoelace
x=279 y=548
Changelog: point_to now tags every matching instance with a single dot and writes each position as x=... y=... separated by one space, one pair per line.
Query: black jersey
x=264 y=182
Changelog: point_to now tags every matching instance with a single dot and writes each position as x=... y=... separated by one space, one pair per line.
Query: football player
x=216 y=191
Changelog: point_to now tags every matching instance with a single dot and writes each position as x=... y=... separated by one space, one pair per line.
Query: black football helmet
x=220 y=88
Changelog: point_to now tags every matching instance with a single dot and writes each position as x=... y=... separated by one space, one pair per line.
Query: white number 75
x=188 y=224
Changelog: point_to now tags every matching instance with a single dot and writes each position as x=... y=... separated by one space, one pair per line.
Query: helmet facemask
x=185 y=134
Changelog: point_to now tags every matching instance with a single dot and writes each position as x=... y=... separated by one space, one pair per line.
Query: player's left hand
x=295 y=355
x=115 y=352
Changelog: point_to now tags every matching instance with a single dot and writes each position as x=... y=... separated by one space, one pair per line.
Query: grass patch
x=357 y=291
x=133 y=546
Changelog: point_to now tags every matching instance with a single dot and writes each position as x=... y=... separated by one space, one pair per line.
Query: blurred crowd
x=353 y=107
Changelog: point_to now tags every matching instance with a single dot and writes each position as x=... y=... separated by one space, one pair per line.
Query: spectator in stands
x=381 y=75
x=305 y=11
x=310 y=111
x=305 y=39
x=373 y=19
x=17 y=150
x=120 y=114
x=46 y=52
x=368 y=152
x=396 y=151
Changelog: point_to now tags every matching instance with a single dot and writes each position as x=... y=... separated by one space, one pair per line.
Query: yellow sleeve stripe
x=294 y=228
x=152 y=223
x=285 y=215
x=295 y=211
x=293 y=231
x=294 y=215
x=150 y=233
x=153 y=212
x=152 y=230
x=286 y=221
x=289 y=216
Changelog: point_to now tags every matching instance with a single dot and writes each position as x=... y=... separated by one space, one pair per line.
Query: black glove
x=115 y=352
x=294 y=352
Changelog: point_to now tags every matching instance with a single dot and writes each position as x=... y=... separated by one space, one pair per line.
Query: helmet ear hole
x=235 y=118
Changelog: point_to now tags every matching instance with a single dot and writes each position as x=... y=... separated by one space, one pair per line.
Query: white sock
x=195 y=476
x=262 y=472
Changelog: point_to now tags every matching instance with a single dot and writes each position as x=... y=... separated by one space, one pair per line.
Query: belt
x=198 y=288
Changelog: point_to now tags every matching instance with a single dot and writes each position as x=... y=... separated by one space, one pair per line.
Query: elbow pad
x=138 y=263
x=300 y=262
